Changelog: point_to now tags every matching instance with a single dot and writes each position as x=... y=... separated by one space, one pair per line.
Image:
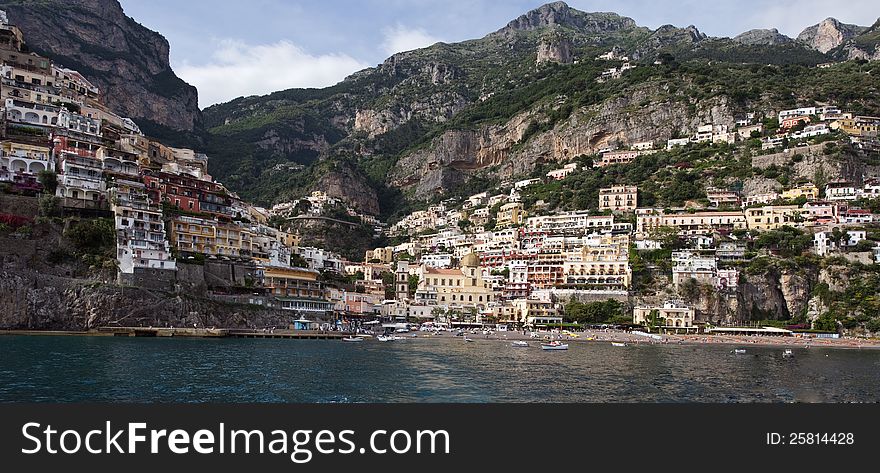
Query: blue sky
x=229 y=49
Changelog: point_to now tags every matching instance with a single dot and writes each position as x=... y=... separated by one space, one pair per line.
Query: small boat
x=397 y=337
x=383 y=338
x=618 y=344
x=352 y=339
x=520 y=344
x=554 y=345
x=787 y=353
x=468 y=339
x=740 y=351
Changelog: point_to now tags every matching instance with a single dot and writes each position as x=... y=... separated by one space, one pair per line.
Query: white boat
x=520 y=343
x=468 y=339
x=383 y=338
x=618 y=344
x=739 y=351
x=352 y=339
x=788 y=353
x=554 y=345
x=397 y=337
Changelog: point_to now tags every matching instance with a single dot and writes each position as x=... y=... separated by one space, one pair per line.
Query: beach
x=621 y=336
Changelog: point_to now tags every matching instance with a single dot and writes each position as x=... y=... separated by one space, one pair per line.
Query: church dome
x=471 y=261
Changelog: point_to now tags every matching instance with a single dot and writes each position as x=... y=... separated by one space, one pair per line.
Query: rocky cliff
x=425 y=124
x=829 y=34
x=35 y=301
x=127 y=61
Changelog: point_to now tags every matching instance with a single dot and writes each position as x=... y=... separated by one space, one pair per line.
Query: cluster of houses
x=526 y=263
x=168 y=210
x=482 y=259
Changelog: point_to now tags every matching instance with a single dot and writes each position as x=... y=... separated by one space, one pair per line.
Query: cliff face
x=35 y=301
x=829 y=34
x=618 y=122
x=127 y=61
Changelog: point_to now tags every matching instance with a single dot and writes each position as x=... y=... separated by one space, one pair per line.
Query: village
x=481 y=261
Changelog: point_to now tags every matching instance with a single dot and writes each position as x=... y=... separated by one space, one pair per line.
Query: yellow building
x=618 y=198
x=456 y=287
x=297 y=289
x=510 y=214
x=24 y=157
x=194 y=235
x=602 y=263
x=232 y=240
x=808 y=190
x=673 y=315
x=857 y=126
x=772 y=217
x=536 y=313
x=380 y=255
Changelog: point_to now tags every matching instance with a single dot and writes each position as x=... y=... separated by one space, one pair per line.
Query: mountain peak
x=762 y=37
x=560 y=14
x=829 y=34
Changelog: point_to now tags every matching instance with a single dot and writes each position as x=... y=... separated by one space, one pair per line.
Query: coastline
x=617 y=336
x=590 y=336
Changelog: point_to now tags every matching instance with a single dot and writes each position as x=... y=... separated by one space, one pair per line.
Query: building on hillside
x=560 y=174
x=760 y=199
x=25 y=158
x=792 y=122
x=140 y=230
x=570 y=222
x=688 y=265
x=438 y=260
x=616 y=157
x=688 y=223
x=807 y=190
x=511 y=214
x=797 y=112
x=673 y=316
x=535 y=313
x=722 y=197
x=618 y=198
x=297 y=290
x=772 y=217
x=463 y=287
x=841 y=190
x=824 y=243
x=747 y=132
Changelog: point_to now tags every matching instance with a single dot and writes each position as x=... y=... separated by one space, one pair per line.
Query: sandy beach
x=609 y=336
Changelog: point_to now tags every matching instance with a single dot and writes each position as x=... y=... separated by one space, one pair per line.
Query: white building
x=442 y=260
x=824 y=242
x=837 y=191
x=140 y=230
x=691 y=265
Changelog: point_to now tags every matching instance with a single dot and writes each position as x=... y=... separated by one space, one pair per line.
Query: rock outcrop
x=829 y=34
x=762 y=37
x=555 y=49
x=127 y=61
x=560 y=14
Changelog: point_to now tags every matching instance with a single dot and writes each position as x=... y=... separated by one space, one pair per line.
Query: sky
x=230 y=49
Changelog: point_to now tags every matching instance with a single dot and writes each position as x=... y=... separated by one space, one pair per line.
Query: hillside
x=127 y=61
x=446 y=119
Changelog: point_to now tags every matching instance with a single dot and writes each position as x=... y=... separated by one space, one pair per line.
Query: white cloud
x=400 y=38
x=793 y=17
x=239 y=69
